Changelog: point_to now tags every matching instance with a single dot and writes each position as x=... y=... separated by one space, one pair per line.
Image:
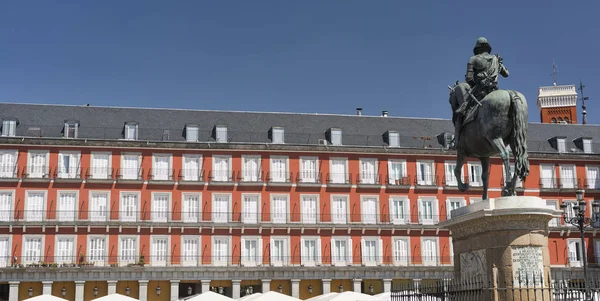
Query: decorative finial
x=583 y=99
x=554 y=71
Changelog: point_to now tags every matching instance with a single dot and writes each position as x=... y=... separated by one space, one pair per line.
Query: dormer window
x=71 y=129
x=587 y=146
x=191 y=133
x=393 y=139
x=9 y=127
x=277 y=135
x=561 y=145
x=221 y=133
x=335 y=136
x=131 y=131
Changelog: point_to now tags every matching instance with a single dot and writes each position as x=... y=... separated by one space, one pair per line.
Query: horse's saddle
x=470 y=114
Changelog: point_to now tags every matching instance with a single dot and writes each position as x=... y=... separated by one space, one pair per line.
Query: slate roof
x=40 y=120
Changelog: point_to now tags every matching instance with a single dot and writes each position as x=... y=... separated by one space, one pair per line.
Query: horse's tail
x=519 y=110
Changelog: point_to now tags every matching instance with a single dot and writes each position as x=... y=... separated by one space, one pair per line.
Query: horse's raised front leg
x=485 y=176
x=509 y=187
x=460 y=161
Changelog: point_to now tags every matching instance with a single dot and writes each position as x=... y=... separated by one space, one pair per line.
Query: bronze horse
x=501 y=120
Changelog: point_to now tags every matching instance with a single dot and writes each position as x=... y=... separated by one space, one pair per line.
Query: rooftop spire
x=554 y=71
x=583 y=99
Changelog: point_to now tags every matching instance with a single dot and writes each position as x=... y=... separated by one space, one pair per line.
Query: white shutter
x=332 y=250
x=379 y=251
x=350 y=260
x=318 y=255
x=572 y=252
x=66 y=206
x=4 y=252
x=259 y=254
x=6 y=207
x=435 y=211
x=271 y=250
x=363 y=250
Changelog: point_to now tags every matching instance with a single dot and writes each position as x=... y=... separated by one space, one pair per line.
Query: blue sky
x=293 y=56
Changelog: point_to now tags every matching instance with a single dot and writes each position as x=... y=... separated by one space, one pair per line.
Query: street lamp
x=127 y=290
x=30 y=291
x=280 y=288
x=580 y=221
x=63 y=291
x=158 y=290
x=341 y=288
x=189 y=290
x=371 y=289
x=310 y=289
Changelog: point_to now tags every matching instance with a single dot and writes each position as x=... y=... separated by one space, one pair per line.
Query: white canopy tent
x=45 y=298
x=345 y=296
x=209 y=296
x=115 y=297
x=268 y=296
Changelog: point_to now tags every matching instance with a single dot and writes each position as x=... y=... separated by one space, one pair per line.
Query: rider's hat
x=481 y=46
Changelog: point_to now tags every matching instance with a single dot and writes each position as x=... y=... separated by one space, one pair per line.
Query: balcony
x=68 y=175
x=549 y=184
x=36 y=173
x=592 y=185
x=426 y=181
x=9 y=173
x=339 y=180
x=250 y=178
x=220 y=178
x=280 y=179
x=161 y=176
x=368 y=180
x=130 y=176
x=191 y=177
x=100 y=175
x=569 y=184
x=398 y=182
x=308 y=179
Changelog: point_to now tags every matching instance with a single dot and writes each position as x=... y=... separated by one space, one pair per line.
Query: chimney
x=358 y=111
x=384 y=113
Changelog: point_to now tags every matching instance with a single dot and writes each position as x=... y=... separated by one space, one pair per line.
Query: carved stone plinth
x=503 y=243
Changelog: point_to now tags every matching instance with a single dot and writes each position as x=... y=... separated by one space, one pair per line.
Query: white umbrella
x=250 y=297
x=115 y=297
x=209 y=296
x=271 y=296
x=45 y=298
x=345 y=296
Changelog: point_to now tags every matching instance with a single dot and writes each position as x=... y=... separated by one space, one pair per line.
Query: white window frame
x=345 y=175
x=10 y=171
x=424 y=262
x=42 y=246
x=364 y=177
x=245 y=259
x=395 y=140
x=139 y=164
x=449 y=173
x=6 y=261
x=109 y=167
x=548 y=182
x=44 y=204
x=137 y=249
x=278 y=132
x=128 y=126
x=391 y=179
x=251 y=220
x=318 y=257
x=472 y=181
x=198 y=213
x=395 y=260
x=596 y=184
x=286 y=251
x=449 y=200
x=331 y=205
x=68 y=126
x=189 y=133
x=246 y=177
x=304 y=179
x=555 y=221
x=348 y=257
x=229 y=163
x=46 y=168
x=406 y=209
x=570 y=262
x=9 y=128
x=72 y=251
x=220 y=131
x=212 y=250
x=287 y=208
x=378 y=250
x=229 y=205
x=108 y=204
x=153 y=215
x=317 y=214
x=138 y=207
x=587 y=146
x=519 y=183
x=153 y=261
x=198 y=259
x=333 y=132
x=363 y=217
x=561 y=145
x=8 y=216
x=106 y=247
x=572 y=181
x=434 y=210
x=200 y=163
x=75 y=211
x=286 y=172
x=69 y=174
x=422 y=179
x=169 y=169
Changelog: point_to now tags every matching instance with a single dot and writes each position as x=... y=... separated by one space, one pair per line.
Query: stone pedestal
x=13 y=290
x=503 y=240
x=112 y=287
x=387 y=285
x=266 y=285
x=205 y=285
x=236 y=288
x=326 y=286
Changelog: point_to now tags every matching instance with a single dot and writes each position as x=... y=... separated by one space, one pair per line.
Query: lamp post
x=580 y=221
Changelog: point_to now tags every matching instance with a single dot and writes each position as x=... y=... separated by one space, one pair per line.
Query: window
x=428 y=211
x=453 y=204
x=189 y=250
x=251 y=168
x=38 y=164
x=161 y=167
x=339 y=209
x=160 y=207
x=128 y=250
x=5 y=246
x=69 y=164
x=372 y=250
x=221 y=133
x=368 y=171
x=220 y=250
x=561 y=145
x=570 y=212
x=251 y=250
x=547 y=178
x=553 y=120
x=129 y=206
x=67 y=206
x=9 y=128
x=568 y=178
x=191 y=207
x=8 y=163
x=336 y=136
x=100 y=168
x=279 y=169
x=279 y=204
x=250 y=208
x=159 y=250
x=475 y=172
x=277 y=135
x=99 y=206
x=338 y=169
x=369 y=207
x=511 y=165
x=555 y=221
x=6 y=205
x=191 y=133
x=64 y=249
x=575 y=252
x=131 y=166
x=341 y=250
x=393 y=139
x=32 y=249
x=71 y=129
x=449 y=167
x=192 y=168
x=35 y=206
x=593 y=177
x=131 y=131
x=429 y=251
x=220 y=208
x=397 y=172
x=425 y=173
x=309 y=170
x=279 y=250
x=309 y=207
x=310 y=250
x=587 y=146
x=399 y=210
x=97 y=250
x=221 y=169
x=401 y=251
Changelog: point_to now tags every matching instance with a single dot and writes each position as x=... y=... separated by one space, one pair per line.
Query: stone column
x=143 y=290
x=112 y=286
x=326 y=286
x=387 y=285
x=47 y=287
x=296 y=288
x=235 y=289
x=79 y=290
x=357 y=285
x=266 y=285
x=174 y=289
x=13 y=290
x=205 y=286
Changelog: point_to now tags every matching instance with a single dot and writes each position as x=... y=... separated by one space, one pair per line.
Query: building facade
x=162 y=204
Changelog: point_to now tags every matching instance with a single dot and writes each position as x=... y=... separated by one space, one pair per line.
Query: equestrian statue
x=487 y=120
